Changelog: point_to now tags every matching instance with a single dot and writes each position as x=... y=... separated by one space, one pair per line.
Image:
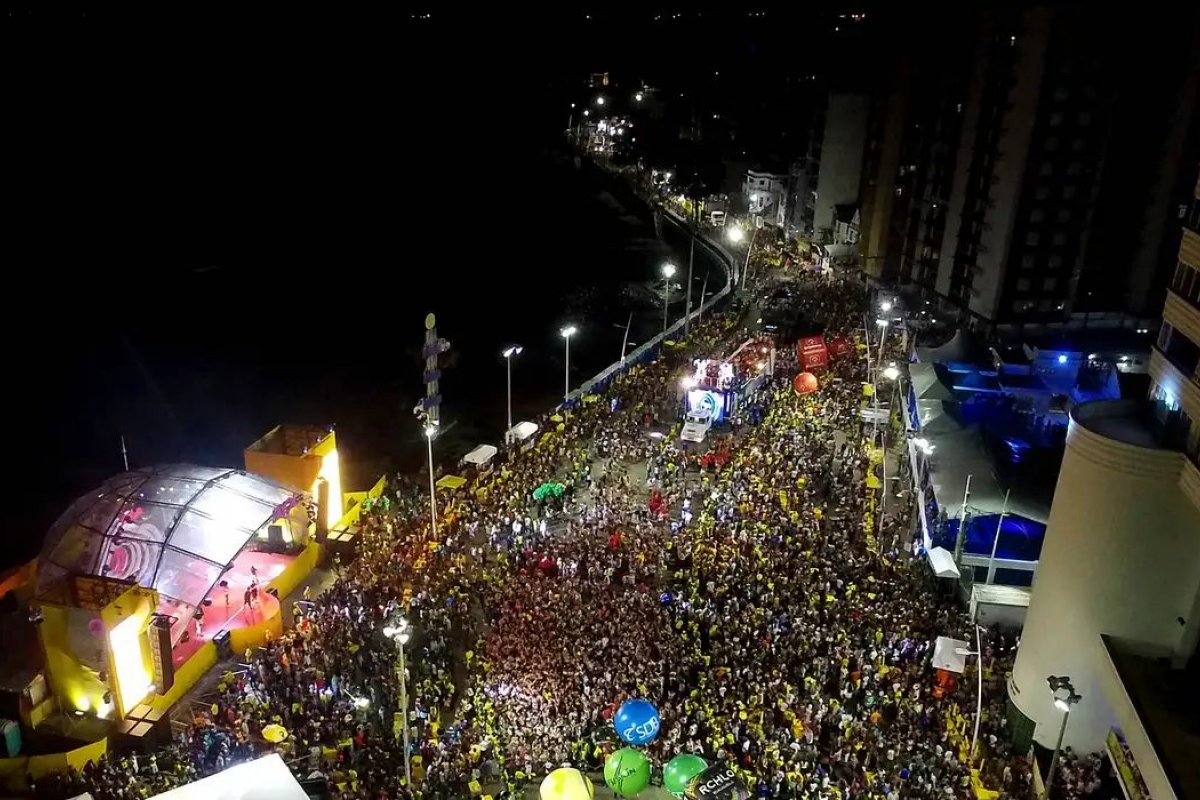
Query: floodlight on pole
x=1065 y=697
x=891 y=373
x=509 y=352
x=567 y=333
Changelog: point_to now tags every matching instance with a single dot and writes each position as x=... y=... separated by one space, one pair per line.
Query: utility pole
x=962 y=525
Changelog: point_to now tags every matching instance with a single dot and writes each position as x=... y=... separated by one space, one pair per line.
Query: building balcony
x=1184 y=388
x=1189 y=248
x=1183 y=315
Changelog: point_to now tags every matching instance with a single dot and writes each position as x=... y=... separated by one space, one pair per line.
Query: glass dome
x=174 y=528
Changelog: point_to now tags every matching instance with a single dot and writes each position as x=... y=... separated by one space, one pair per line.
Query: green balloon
x=627 y=772
x=680 y=770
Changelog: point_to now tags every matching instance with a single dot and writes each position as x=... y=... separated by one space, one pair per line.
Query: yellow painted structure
x=93 y=625
x=301 y=458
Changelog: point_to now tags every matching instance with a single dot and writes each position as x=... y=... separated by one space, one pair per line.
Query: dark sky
x=182 y=180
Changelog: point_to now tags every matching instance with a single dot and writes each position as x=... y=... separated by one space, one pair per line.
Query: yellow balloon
x=567 y=784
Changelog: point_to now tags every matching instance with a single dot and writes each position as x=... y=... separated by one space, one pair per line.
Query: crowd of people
x=750 y=597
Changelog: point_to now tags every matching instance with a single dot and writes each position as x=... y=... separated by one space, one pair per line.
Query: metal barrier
x=647 y=349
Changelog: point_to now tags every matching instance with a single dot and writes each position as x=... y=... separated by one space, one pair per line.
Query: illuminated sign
x=133 y=678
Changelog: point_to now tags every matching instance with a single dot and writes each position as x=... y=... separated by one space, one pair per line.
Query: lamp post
x=668 y=270
x=508 y=354
x=882 y=323
x=400 y=634
x=1064 y=698
x=891 y=374
x=978 y=653
x=567 y=333
x=430 y=432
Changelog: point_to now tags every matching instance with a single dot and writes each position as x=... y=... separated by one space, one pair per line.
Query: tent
x=481 y=455
x=945 y=657
x=942 y=562
x=521 y=431
x=267 y=778
x=451 y=482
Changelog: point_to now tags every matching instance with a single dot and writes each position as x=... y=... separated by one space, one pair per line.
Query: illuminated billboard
x=707 y=403
x=133 y=676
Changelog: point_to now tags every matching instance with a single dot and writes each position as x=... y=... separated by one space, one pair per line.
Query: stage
x=228 y=609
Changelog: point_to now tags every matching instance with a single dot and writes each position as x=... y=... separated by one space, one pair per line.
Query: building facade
x=1116 y=597
x=1068 y=166
x=832 y=169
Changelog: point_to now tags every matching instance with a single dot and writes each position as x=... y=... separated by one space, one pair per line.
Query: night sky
x=213 y=218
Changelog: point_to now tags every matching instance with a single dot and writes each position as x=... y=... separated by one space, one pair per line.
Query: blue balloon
x=637 y=722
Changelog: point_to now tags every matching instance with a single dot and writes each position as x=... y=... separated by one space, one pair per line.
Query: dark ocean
x=221 y=224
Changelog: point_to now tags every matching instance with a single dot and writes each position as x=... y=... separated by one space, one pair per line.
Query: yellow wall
x=70 y=679
x=255 y=636
x=138 y=603
x=294 y=574
x=300 y=473
x=14 y=770
x=186 y=676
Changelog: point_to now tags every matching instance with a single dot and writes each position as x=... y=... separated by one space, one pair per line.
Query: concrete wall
x=1121 y=557
x=842 y=146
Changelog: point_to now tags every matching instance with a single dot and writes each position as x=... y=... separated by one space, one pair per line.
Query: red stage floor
x=228 y=609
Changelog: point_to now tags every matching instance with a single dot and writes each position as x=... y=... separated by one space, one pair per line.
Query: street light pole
x=430 y=432
x=404 y=710
x=667 y=271
x=1064 y=705
x=400 y=634
x=567 y=333
x=508 y=354
x=979 y=695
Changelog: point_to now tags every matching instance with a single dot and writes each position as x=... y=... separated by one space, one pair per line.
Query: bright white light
x=668 y=270
x=389 y=631
x=515 y=350
x=430 y=431
x=587 y=113
x=736 y=235
x=568 y=331
x=891 y=373
x=362 y=702
x=886 y=305
x=638 y=97
x=883 y=323
x=1062 y=359
x=688 y=382
x=133 y=679
x=667 y=176
x=1062 y=705
x=600 y=100
x=403 y=638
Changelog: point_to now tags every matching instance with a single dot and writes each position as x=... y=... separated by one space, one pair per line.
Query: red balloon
x=805 y=383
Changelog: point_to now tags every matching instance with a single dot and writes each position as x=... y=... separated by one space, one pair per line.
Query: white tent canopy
x=942 y=562
x=267 y=778
x=481 y=455
x=946 y=655
x=521 y=431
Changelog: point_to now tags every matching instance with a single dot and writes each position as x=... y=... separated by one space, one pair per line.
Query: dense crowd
x=751 y=597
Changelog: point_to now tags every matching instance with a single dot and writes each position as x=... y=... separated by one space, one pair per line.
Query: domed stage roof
x=173 y=528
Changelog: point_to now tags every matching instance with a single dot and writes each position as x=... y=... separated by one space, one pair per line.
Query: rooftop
x=291 y=440
x=1127 y=421
x=1167 y=702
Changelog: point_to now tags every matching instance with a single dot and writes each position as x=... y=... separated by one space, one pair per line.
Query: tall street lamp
x=430 y=432
x=1064 y=698
x=567 y=333
x=978 y=653
x=668 y=270
x=400 y=635
x=508 y=354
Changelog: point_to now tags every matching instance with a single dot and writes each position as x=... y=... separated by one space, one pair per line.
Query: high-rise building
x=1067 y=166
x=912 y=139
x=832 y=169
x=1116 y=598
